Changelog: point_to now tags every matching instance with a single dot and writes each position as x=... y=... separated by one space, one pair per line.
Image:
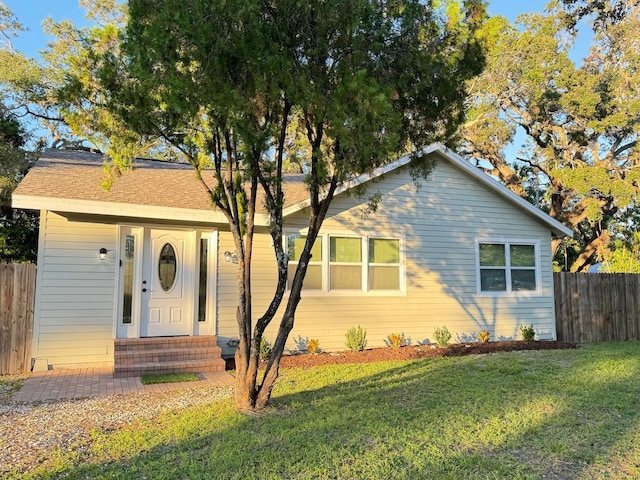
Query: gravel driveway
x=29 y=432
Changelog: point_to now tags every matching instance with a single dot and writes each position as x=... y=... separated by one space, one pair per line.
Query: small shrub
x=484 y=336
x=356 y=339
x=265 y=349
x=313 y=345
x=442 y=336
x=396 y=340
x=528 y=333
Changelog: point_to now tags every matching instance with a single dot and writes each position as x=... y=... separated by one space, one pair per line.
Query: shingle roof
x=79 y=176
x=71 y=181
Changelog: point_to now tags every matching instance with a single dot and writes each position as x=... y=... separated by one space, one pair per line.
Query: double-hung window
x=507 y=266
x=346 y=263
x=384 y=264
x=313 y=278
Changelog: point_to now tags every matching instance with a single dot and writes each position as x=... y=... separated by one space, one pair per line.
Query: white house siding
x=264 y=278
x=440 y=224
x=74 y=294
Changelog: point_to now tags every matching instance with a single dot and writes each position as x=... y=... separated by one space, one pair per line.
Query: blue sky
x=32 y=12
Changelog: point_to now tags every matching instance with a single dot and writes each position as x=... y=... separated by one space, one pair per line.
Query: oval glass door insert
x=167 y=267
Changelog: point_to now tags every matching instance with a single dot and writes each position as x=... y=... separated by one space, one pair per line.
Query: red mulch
x=308 y=360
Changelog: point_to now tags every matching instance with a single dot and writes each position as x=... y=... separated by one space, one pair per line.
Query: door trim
x=140 y=233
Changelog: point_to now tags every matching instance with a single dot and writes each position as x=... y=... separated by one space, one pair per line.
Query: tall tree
x=228 y=83
x=581 y=123
x=20 y=77
x=621 y=256
x=18 y=230
x=72 y=100
x=602 y=12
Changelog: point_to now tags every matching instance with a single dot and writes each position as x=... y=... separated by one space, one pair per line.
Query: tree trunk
x=249 y=396
x=582 y=263
x=273 y=368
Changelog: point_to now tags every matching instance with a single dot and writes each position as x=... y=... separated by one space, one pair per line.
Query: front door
x=167 y=283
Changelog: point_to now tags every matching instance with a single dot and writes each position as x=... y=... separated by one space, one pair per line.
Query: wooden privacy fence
x=597 y=307
x=17 y=290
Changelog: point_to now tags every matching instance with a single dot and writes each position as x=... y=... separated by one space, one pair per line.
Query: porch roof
x=72 y=181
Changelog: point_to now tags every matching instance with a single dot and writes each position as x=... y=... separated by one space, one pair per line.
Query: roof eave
x=92 y=207
x=557 y=228
x=361 y=179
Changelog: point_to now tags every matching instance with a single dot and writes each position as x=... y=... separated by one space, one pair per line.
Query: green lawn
x=151 y=379
x=545 y=414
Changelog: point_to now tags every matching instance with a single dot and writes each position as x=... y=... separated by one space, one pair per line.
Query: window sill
x=351 y=293
x=517 y=294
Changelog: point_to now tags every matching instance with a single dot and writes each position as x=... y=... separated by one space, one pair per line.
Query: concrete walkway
x=95 y=382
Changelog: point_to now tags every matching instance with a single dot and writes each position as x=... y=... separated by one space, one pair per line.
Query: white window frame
x=325 y=241
x=369 y=264
x=360 y=264
x=322 y=262
x=508 y=290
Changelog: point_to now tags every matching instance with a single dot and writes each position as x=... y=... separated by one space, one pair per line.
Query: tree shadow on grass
x=516 y=415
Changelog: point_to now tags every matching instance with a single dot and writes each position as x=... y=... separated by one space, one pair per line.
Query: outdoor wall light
x=102 y=253
x=231 y=257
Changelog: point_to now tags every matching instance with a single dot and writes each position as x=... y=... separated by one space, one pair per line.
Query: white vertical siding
x=75 y=293
x=440 y=223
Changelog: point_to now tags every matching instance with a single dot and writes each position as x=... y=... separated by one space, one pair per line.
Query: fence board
x=17 y=292
x=597 y=307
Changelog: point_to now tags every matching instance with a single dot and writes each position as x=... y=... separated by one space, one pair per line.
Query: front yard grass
x=560 y=414
x=154 y=378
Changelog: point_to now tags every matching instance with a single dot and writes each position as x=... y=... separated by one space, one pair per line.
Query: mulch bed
x=412 y=352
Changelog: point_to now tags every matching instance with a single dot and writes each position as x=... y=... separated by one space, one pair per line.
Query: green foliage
x=484 y=336
x=265 y=349
x=527 y=332
x=396 y=340
x=356 y=339
x=313 y=345
x=442 y=336
x=603 y=14
x=14 y=162
x=74 y=61
x=18 y=229
x=18 y=235
x=580 y=159
x=622 y=257
x=18 y=74
x=9 y=385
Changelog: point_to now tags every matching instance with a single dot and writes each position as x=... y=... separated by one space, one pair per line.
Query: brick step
x=138 y=356
x=166 y=355
x=125 y=344
x=178 y=366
